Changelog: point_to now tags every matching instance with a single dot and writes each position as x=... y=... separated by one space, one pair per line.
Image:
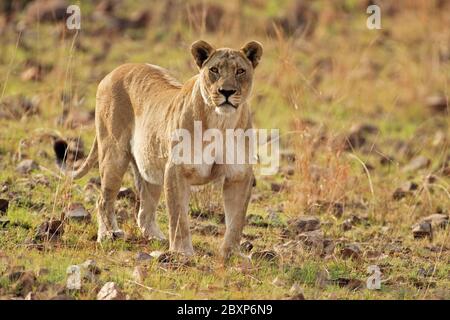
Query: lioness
x=139 y=106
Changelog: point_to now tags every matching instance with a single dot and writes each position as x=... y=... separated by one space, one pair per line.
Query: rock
x=357 y=136
x=77 y=212
x=437 y=103
x=91 y=267
x=417 y=163
x=246 y=246
x=156 y=254
x=126 y=193
x=256 y=220
x=33 y=73
x=276 y=187
x=3 y=206
x=277 y=282
x=422 y=230
x=62 y=297
x=26 y=166
x=207 y=230
x=31 y=296
x=50 y=230
x=351 y=251
x=16 y=107
x=139 y=274
x=4 y=222
x=142 y=256
x=110 y=291
x=296 y=292
x=346 y=225
x=304 y=224
x=312 y=239
x=287 y=155
x=46 y=10
x=351 y=284
x=24 y=282
x=426 y=272
x=267 y=255
x=288 y=170
x=328 y=247
x=437 y=220
x=42 y=272
x=404 y=190
x=337 y=209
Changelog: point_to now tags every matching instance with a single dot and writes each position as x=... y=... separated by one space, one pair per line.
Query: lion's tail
x=91 y=160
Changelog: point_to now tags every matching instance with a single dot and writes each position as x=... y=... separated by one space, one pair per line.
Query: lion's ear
x=253 y=51
x=201 y=50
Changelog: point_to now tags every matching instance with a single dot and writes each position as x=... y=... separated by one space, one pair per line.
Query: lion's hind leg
x=113 y=166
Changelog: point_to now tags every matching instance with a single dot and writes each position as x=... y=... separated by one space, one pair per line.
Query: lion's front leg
x=177 y=192
x=236 y=196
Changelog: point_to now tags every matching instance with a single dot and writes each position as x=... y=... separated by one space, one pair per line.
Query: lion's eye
x=240 y=71
x=214 y=70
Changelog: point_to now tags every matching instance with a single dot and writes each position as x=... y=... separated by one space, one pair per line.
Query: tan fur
x=138 y=107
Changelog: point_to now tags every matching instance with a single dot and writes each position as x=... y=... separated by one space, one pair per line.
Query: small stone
x=77 y=212
x=32 y=73
x=139 y=274
x=328 y=247
x=4 y=222
x=142 y=256
x=351 y=251
x=156 y=254
x=42 y=272
x=346 y=225
x=207 y=230
x=296 y=292
x=126 y=193
x=267 y=255
x=422 y=230
x=110 y=291
x=417 y=163
x=437 y=220
x=3 y=206
x=304 y=223
x=256 y=220
x=404 y=190
x=277 y=282
x=437 y=103
x=276 y=187
x=31 y=296
x=50 y=230
x=246 y=246
x=357 y=136
x=61 y=297
x=25 y=282
x=26 y=166
x=91 y=266
x=337 y=209
x=351 y=284
x=288 y=170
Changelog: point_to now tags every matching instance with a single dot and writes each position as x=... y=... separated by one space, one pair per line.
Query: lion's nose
x=227 y=93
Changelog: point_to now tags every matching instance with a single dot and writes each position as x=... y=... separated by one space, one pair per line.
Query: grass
x=313 y=88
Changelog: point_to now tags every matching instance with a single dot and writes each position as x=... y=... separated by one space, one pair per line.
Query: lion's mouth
x=227 y=104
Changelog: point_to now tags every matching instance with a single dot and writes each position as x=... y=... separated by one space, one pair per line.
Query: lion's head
x=226 y=75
